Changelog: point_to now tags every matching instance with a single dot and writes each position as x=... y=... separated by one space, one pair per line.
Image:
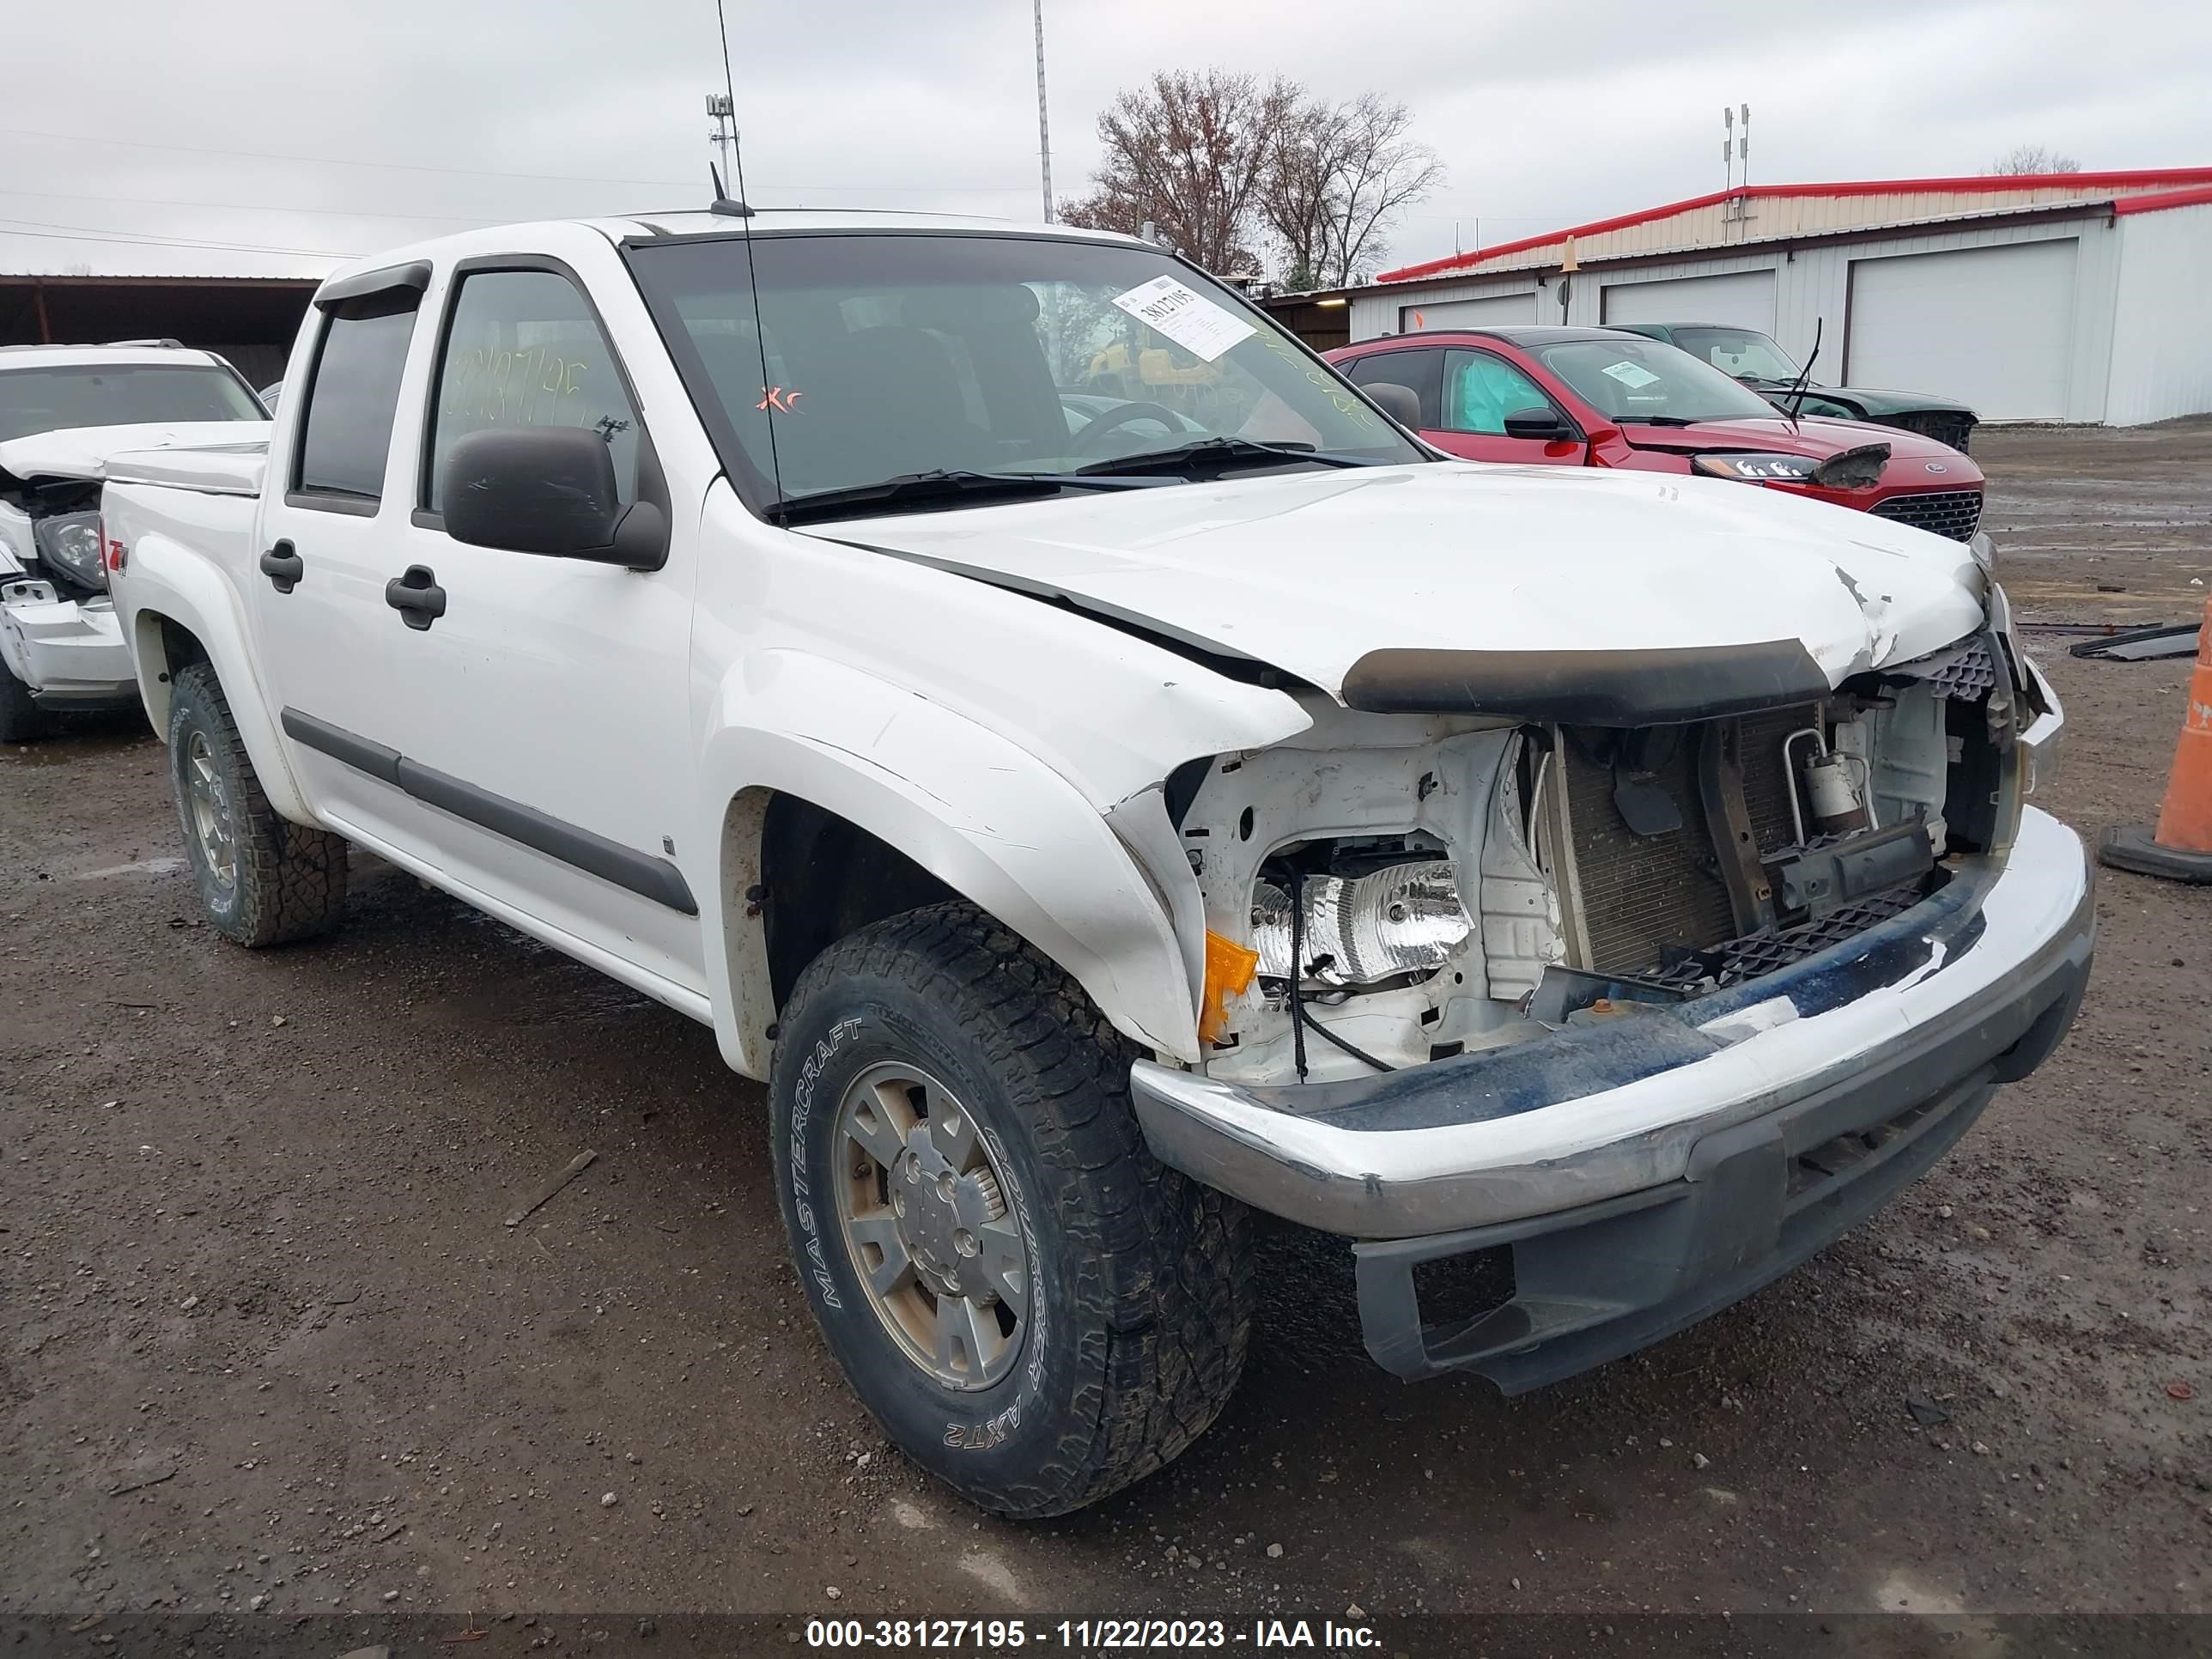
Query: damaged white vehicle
x=1091 y=829
x=63 y=409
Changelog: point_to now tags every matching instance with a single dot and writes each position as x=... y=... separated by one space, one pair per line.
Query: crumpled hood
x=1310 y=572
x=83 y=452
x=1916 y=462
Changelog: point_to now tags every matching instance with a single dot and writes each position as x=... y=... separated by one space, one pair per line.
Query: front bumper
x=70 y=654
x=1650 y=1170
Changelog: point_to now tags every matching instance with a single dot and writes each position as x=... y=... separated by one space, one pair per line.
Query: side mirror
x=550 y=490
x=1539 y=422
x=1401 y=403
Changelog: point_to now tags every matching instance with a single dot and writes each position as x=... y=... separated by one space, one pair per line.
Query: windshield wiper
x=1212 y=453
x=1658 y=420
x=1798 y=386
x=943 y=484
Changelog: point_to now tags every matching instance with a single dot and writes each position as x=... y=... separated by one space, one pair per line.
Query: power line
x=245 y=207
x=491 y=173
x=54 y=233
x=334 y=161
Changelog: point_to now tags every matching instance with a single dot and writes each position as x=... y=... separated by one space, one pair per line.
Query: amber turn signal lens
x=1229 y=970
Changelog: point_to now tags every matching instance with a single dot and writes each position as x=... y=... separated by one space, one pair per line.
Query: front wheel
x=263 y=879
x=1034 y=1307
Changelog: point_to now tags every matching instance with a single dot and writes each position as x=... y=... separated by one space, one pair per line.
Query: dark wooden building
x=249 y=320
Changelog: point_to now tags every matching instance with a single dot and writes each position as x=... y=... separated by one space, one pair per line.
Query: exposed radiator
x=1639 y=895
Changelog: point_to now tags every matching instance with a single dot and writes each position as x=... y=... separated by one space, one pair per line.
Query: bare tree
x=1377 y=172
x=1190 y=153
x=2033 y=159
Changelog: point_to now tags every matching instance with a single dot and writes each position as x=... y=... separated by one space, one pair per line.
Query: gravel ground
x=269 y=1345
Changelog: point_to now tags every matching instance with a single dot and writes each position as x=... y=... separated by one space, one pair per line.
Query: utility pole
x=724 y=137
x=1044 y=128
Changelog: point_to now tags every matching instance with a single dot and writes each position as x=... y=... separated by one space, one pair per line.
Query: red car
x=1597 y=397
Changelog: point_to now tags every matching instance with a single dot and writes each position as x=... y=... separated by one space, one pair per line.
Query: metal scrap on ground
x=2153 y=644
x=575 y=1166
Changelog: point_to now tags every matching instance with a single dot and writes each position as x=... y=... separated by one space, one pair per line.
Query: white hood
x=1310 y=572
x=84 y=452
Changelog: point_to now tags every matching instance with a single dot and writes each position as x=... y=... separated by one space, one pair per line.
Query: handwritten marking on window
x=775 y=398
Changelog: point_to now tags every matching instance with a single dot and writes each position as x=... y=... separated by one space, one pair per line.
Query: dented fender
x=967 y=804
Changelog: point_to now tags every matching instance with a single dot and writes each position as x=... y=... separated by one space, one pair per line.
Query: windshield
x=1739 y=352
x=888 y=356
x=1634 y=380
x=51 y=400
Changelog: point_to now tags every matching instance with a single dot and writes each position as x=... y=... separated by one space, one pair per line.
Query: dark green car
x=1754 y=359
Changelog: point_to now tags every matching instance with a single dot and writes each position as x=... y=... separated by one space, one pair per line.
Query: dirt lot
x=266 y=1336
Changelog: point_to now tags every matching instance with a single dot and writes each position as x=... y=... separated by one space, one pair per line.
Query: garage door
x=1487 y=312
x=1743 y=299
x=1991 y=326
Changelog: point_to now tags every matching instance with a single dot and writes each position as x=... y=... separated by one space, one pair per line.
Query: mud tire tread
x=291 y=878
x=1163 y=1308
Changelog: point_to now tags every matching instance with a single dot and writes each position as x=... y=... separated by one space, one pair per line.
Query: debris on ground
x=1926 y=1413
x=574 y=1167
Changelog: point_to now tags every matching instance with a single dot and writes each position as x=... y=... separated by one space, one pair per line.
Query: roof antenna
x=733 y=207
x=744 y=215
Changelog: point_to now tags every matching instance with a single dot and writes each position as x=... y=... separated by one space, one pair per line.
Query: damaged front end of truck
x=1589 y=991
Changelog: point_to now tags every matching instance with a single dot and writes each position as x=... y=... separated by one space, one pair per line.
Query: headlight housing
x=1758 y=468
x=69 y=542
x=1405 y=918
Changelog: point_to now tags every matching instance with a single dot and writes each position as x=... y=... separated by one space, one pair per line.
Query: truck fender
x=167 y=581
x=981 y=814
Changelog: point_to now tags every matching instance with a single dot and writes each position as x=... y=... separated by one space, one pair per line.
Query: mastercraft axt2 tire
x=1034 y=1309
x=262 y=878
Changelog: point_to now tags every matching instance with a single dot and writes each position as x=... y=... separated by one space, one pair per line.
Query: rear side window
x=1421 y=371
x=354 y=393
x=524 y=350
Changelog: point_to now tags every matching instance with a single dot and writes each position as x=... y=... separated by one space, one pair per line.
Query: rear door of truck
x=323 y=632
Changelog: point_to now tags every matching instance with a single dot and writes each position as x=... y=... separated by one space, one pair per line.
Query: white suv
x=59 y=648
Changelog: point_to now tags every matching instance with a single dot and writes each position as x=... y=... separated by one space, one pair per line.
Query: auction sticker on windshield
x=1634 y=376
x=1185 y=316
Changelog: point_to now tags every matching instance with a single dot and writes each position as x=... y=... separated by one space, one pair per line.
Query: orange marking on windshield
x=775 y=396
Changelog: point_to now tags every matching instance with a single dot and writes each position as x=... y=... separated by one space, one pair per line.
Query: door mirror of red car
x=1539 y=422
x=1401 y=403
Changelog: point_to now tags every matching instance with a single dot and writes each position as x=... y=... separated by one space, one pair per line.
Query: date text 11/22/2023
x=995 y=1636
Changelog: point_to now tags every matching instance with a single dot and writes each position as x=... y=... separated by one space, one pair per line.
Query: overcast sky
x=340 y=127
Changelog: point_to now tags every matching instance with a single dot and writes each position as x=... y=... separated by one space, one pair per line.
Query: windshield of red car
x=52 y=399
x=1631 y=378
x=1740 y=352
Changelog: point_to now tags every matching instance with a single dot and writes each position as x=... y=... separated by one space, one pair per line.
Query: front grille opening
x=1954 y=513
x=1760 y=954
x=1457 y=1290
x=1652 y=902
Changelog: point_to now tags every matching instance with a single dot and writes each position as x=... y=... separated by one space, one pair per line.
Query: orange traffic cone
x=2182 y=847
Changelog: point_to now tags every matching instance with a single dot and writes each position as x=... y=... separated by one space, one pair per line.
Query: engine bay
x=1411 y=888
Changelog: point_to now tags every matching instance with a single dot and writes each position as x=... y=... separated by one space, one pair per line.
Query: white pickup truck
x=1095 y=817
x=63 y=409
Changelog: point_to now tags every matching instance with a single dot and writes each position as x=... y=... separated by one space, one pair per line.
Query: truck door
x=545 y=715
x=315 y=579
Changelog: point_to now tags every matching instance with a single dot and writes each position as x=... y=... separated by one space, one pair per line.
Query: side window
x=1481 y=390
x=524 y=350
x=352 y=395
x=1421 y=371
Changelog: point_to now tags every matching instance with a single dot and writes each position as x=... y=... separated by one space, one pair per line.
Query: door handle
x=416 y=596
x=283 y=567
